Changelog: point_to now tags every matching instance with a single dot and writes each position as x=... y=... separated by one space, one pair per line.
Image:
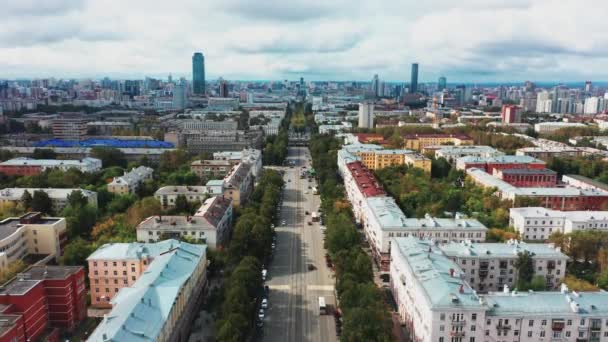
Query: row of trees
x=365 y=313
x=249 y=249
x=275 y=148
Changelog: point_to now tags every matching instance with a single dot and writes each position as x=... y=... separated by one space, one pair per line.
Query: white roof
x=15 y=194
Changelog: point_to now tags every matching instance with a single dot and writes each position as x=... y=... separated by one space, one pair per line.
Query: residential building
x=583 y=182
x=198 y=74
x=167 y=195
x=420 y=141
x=490 y=266
x=550 y=127
x=179 y=101
x=238 y=184
x=499 y=163
x=43 y=300
x=549 y=152
x=29 y=167
x=70 y=127
x=511 y=114
x=436 y=303
x=209 y=125
x=59 y=197
x=210 y=225
x=538 y=223
x=375 y=157
x=31 y=234
x=162 y=303
x=528 y=177
x=211 y=168
x=451 y=153
x=360 y=183
x=366 y=115
x=131 y=153
x=131 y=181
x=560 y=198
x=107 y=127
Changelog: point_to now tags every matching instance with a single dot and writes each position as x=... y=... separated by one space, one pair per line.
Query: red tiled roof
x=365 y=180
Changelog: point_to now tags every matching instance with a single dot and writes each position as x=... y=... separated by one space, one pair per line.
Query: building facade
x=366 y=115
x=538 y=223
x=131 y=181
x=198 y=74
x=419 y=141
x=167 y=195
x=58 y=197
x=29 y=167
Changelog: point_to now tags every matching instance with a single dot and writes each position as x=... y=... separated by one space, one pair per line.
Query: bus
x=322 y=306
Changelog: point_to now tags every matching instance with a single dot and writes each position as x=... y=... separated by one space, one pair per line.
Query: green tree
x=525 y=269
x=42 y=202
x=77 y=252
x=181 y=204
x=77 y=199
x=173 y=160
x=538 y=283
x=80 y=220
x=44 y=153
x=26 y=200
x=109 y=156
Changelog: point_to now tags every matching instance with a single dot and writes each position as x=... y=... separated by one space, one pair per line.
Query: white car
x=261 y=314
x=264 y=274
x=264 y=303
x=283 y=222
x=273 y=246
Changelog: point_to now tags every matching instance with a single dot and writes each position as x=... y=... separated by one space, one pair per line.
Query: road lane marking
x=320 y=287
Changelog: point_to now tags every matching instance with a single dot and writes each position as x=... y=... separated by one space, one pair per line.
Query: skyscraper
x=223 y=88
x=198 y=73
x=414 y=80
x=179 y=96
x=366 y=115
x=375 y=85
x=442 y=83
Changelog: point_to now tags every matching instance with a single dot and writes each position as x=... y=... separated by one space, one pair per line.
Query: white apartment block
x=167 y=195
x=550 y=127
x=451 y=153
x=538 y=223
x=437 y=304
x=130 y=181
x=490 y=266
x=84 y=165
x=59 y=197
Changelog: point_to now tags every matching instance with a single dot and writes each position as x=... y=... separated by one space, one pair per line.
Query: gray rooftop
x=508 y=249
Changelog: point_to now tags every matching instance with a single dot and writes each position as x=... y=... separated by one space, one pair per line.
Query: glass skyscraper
x=198 y=73
x=414 y=80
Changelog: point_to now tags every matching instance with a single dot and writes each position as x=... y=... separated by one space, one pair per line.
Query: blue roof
x=118 y=143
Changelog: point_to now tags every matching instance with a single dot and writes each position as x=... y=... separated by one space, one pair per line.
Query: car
x=283 y=222
x=264 y=303
x=266 y=290
x=273 y=246
x=261 y=314
x=310 y=223
x=310 y=187
x=307 y=212
x=311 y=267
x=264 y=274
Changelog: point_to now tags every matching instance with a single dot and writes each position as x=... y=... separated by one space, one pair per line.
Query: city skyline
x=471 y=41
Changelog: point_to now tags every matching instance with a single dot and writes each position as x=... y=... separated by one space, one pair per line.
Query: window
x=567 y=334
x=472 y=328
x=516 y=333
x=569 y=322
x=542 y=334
x=442 y=316
x=441 y=339
x=581 y=334
x=531 y=323
x=544 y=322
x=97 y=289
x=583 y=321
x=474 y=317
x=472 y=339
x=133 y=278
x=124 y=263
x=529 y=334
x=114 y=264
x=487 y=332
x=441 y=328
x=95 y=263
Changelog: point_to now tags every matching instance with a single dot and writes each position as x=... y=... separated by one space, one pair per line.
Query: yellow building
x=419 y=141
x=379 y=159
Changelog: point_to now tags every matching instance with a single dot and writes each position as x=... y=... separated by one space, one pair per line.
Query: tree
x=77 y=252
x=525 y=269
x=173 y=160
x=26 y=200
x=141 y=210
x=44 y=153
x=80 y=220
x=181 y=204
x=77 y=199
x=109 y=156
x=12 y=270
x=42 y=202
x=538 y=283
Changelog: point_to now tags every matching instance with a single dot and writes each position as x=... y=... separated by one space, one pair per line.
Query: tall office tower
x=442 y=83
x=588 y=86
x=414 y=80
x=223 y=88
x=198 y=73
x=543 y=102
x=179 y=96
x=375 y=85
x=591 y=105
x=511 y=114
x=366 y=115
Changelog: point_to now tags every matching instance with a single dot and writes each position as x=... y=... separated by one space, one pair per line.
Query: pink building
x=117 y=265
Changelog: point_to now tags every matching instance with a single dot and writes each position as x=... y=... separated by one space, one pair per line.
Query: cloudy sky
x=465 y=40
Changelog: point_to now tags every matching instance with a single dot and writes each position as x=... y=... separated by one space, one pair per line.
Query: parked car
x=264 y=274
x=264 y=303
x=266 y=290
x=261 y=314
x=311 y=267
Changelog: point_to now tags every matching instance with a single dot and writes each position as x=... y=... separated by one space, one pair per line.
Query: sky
x=464 y=40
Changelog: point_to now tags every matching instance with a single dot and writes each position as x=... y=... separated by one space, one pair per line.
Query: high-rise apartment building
x=198 y=73
x=366 y=115
x=223 y=88
x=414 y=79
x=179 y=97
x=511 y=114
x=442 y=83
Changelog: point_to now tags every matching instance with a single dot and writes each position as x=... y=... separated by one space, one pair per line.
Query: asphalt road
x=293 y=313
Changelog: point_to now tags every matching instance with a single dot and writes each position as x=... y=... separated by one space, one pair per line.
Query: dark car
x=266 y=290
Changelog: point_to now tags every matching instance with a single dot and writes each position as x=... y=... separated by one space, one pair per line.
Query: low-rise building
x=211 y=168
x=59 y=197
x=131 y=181
x=538 y=223
x=490 y=266
x=528 y=177
x=451 y=153
x=238 y=184
x=499 y=163
x=167 y=195
x=436 y=303
x=163 y=301
x=31 y=234
x=28 y=167
x=560 y=198
x=420 y=141
x=375 y=157
x=210 y=225
x=360 y=183
x=43 y=300
x=550 y=127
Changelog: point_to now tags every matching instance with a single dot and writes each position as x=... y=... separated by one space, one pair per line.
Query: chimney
x=451 y=272
x=461 y=289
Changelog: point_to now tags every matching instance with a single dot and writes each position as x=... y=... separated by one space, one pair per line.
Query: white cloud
x=468 y=40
